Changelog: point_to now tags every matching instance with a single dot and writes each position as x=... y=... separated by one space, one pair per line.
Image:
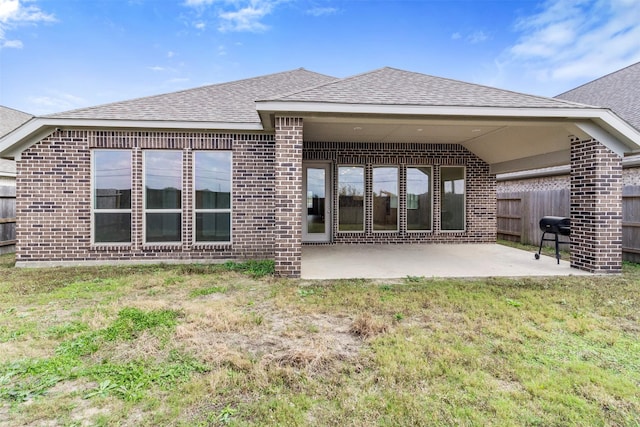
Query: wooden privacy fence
x=7 y=219
x=519 y=214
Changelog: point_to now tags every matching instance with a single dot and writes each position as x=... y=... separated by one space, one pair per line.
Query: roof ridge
x=284 y=95
x=94 y=107
x=337 y=80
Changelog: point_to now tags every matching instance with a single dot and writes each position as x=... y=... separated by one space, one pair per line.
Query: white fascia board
x=604 y=137
x=558 y=158
x=151 y=124
x=12 y=144
x=627 y=162
x=422 y=110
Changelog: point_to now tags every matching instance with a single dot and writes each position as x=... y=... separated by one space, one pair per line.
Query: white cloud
x=569 y=42
x=477 y=37
x=156 y=68
x=8 y=8
x=235 y=15
x=15 y=44
x=197 y=3
x=171 y=54
x=15 y=13
x=55 y=101
x=322 y=11
x=473 y=38
x=247 y=18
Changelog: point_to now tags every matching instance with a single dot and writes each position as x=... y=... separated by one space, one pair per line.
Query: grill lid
x=556 y=224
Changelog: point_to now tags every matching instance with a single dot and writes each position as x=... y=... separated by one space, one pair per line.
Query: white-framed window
x=111 y=194
x=212 y=196
x=351 y=198
x=162 y=196
x=385 y=188
x=419 y=191
x=452 y=198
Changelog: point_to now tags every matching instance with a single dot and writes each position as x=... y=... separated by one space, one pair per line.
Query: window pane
x=112 y=227
x=163 y=179
x=419 y=198
x=351 y=198
x=112 y=179
x=163 y=227
x=316 y=221
x=385 y=198
x=213 y=179
x=452 y=189
x=213 y=227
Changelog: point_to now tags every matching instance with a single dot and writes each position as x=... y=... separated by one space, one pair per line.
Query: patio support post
x=596 y=207
x=288 y=180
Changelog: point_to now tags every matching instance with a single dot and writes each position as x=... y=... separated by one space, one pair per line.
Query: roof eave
x=599 y=123
x=12 y=144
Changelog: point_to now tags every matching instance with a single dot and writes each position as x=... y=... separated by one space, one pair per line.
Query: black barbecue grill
x=555 y=225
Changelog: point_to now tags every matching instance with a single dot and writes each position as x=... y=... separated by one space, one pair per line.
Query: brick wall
x=596 y=208
x=630 y=177
x=54 y=187
x=54 y=204
x=288 y=209
x=480 y=188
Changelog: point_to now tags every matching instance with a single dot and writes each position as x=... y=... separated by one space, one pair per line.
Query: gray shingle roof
x=619 y=91
x=11 y=119
x=390 y=86
x=232 y=102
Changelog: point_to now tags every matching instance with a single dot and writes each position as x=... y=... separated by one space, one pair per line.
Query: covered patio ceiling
x=507 y=144
x=504 y=144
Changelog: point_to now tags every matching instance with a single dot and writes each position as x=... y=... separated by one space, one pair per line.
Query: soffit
x=497 y=142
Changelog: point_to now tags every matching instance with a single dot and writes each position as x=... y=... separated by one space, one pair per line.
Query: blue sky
x=57 y=55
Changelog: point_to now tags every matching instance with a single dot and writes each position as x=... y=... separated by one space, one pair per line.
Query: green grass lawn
x=199 y=345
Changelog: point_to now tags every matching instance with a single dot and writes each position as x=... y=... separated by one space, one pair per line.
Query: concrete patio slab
x=428 y=260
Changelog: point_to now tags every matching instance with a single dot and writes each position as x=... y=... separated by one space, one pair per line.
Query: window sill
x=211 y=245
x=109 y=247
x=161 y=246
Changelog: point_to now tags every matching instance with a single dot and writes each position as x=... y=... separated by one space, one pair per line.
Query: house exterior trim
x=12 y=144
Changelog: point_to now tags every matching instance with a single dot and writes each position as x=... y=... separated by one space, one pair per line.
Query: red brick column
x=596 y=208
x=288 y=177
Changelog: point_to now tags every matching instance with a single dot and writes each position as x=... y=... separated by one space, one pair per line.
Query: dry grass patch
x=368 y=326
x=314 y=356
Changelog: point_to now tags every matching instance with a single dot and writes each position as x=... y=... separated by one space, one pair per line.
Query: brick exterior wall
x=54 y=203
x=596 y=208
x=480 y=188
x=630 y=177
x=288 y=174
x=54 y=195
